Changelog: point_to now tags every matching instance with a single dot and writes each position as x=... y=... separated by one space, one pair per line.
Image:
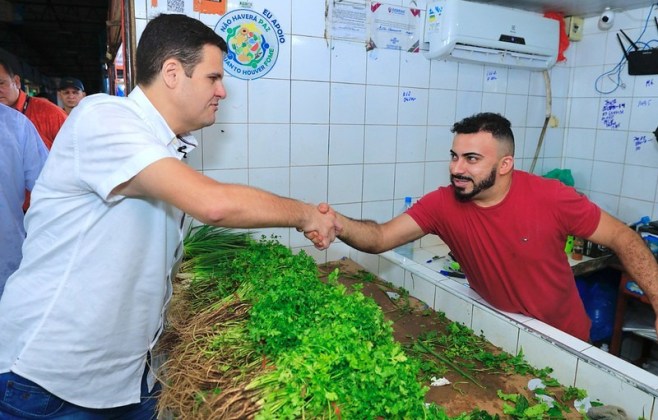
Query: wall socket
x=574 y=27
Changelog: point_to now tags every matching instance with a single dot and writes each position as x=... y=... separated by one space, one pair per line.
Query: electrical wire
x=614 y=75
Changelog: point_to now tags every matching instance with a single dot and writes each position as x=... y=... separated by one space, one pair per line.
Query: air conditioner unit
x=485 y=33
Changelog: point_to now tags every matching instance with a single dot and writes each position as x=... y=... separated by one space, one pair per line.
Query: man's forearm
x=364 y=235
x=641 y=265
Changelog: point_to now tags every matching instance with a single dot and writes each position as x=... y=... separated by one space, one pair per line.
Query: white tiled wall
x=617 y=166
x=330 y=119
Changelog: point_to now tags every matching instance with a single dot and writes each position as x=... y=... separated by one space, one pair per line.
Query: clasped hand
x=324 y=231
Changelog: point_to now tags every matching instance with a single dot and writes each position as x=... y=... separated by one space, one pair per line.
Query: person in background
x=70 y=93
x=45 y=115
x=507 y=229
x=21 y=158
x=81 y=315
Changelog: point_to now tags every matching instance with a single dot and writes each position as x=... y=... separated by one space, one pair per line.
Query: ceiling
x=68 y=37
x=59 y=38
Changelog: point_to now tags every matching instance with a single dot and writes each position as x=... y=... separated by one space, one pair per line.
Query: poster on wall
x=348 y=20
x=395 y=27
x=253 y=41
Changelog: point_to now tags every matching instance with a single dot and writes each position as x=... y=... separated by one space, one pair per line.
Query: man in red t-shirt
x=507 y=229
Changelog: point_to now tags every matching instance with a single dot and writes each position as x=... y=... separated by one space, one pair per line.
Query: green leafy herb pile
x=303 y=349
x=261 y=336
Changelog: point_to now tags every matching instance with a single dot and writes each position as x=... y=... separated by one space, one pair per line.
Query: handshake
x=322 y=226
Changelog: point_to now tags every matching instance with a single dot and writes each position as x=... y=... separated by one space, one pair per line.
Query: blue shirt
x=22 y=156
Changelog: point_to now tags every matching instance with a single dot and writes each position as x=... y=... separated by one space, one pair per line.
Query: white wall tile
x=379 y=211
x=645 y=86
x=493 y=102
x=411 y=143
x=348 y=62
x=409 y=179
x=348 y=103
x=590 y=50
x=420 y=288
x=309 y=144
x=380 y=143
x=381 y=105
x=581 y=169
x=639 y=182
x=606 y=177
x=383 y=67
x=390 y=272
x=560 y=82
x=580 y=143
x=309 y=102
x=309 y=183
x=378 y=182
x=414 y=70
x=495 y=79
x=345 y=183
x=308 y=18
x=441 y=107
x=516 y=110
x=437 y=174
x=269 y=101
x=439 y=142
x=269 y=145
x=611 y=390
x=310 y=59
x=471 y=77
x=443 y=74
x=468 y=103
x=518 y=82
x=583 y=114
x=225 y=146
x=498 y=331
x=455 y=307
x=610 y=146
x=631 y=210
x=412 y=106
x=275 y=180
x=641 y=149
x=643 y=112
x=346 y=144
x=540 y=354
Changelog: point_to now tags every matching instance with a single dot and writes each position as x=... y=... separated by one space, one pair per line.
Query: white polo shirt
x=87 y=303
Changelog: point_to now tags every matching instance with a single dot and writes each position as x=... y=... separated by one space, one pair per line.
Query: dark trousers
x=23 y=399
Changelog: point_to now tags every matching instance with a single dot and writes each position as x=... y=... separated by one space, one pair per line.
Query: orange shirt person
x=45 y=115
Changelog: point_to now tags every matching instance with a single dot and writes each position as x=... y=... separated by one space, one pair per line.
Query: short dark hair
x=9 y=68
x=488 y=122
x=172 y=36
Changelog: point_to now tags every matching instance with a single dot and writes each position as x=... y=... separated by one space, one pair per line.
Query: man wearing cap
x=45 y=115
x=71 y=91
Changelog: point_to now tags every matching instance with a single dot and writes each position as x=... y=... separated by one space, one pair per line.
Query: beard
x=485 y=184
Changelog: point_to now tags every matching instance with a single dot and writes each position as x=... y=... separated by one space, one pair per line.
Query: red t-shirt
x=513 y=252
x=45 y=115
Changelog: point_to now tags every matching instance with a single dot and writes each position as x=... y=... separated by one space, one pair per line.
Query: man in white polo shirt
x=80 y=316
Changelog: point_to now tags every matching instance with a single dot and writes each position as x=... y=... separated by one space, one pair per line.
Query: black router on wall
x=640 y=62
